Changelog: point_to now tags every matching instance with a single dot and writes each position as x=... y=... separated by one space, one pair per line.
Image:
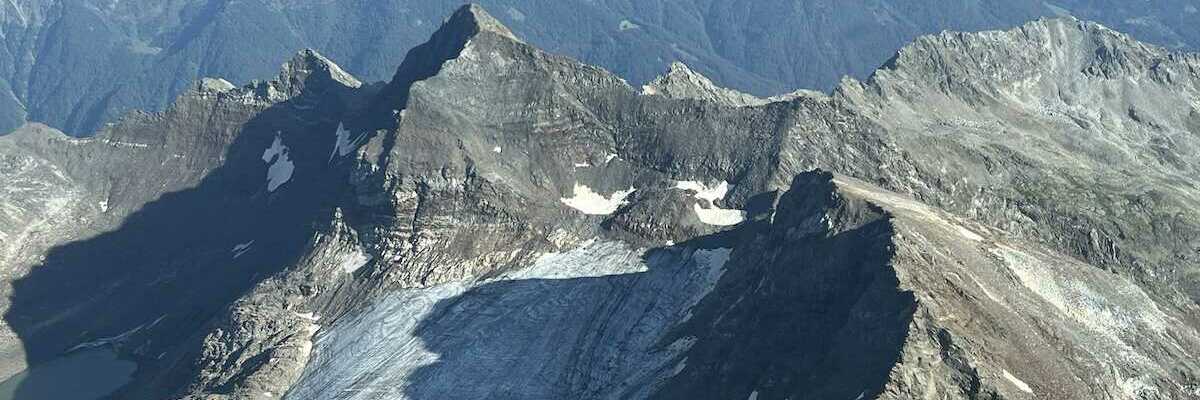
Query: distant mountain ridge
x=77 y=64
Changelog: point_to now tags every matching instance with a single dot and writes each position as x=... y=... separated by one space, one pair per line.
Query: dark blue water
x=83 y=375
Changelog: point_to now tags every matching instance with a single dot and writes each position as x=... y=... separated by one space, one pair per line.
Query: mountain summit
x=502 y=222
x=472 y=17
x=681 y=82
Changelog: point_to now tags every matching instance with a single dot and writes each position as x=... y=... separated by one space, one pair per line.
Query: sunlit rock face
x=1003 y=214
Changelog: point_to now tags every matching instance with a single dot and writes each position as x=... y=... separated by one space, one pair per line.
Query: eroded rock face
x=498 y=221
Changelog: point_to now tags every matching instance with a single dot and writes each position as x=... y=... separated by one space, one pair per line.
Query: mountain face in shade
x=76 y=65
x=1004 y=214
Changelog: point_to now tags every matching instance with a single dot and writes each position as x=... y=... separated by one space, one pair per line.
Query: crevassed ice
x=608 y=302
x=592 y=203
x=592 y=260
x=281 y=166
x=713 y=261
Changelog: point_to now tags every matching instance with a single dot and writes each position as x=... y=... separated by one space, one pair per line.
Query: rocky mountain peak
x=214 y=85
x=307 y=68
x=1025 y=62
x=474 y=18
x=308 y=62
x=681 y=82
x=466 y=23
x=469 y=25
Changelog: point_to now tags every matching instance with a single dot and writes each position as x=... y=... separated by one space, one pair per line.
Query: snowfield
x=712 y=214
x=592 y=203
x=281 y=166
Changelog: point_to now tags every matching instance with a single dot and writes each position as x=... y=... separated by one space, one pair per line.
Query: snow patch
x=343 y=145
x=124 y=336
x=712 y=215
x=241 y=249
x=353 y=261
x=679 y=367
x=130 y=145
x=719 y=216
x=703 y=191
x=310 y=317
x=592 y=203
x=1017 y=382
x=281 y=166
x=969 y=234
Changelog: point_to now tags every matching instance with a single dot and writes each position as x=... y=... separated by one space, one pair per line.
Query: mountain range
x=78 y=64
x=1005 y=214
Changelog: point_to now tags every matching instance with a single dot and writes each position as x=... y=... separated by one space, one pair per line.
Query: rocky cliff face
x=1006 y=214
